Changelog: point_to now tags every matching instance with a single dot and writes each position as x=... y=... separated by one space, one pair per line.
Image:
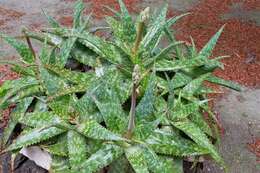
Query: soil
x=238 y=112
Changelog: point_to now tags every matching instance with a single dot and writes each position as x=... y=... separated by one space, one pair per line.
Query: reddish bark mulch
x=255 y=148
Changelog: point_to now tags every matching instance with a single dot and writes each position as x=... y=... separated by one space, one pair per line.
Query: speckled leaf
x=195 y=84
x=28 y=71
x=51 y=82
x=174 y=19
x=223 y=82
x=59 y=148
x=14 y=86
x=40 y=119
x=33 y=137
x=183 y=111
x=198 y=119
x=145 y=107
x=62 y=106
x=65 y=49
x=179 y=80
x=112 y=112
x=84 y=55
x=168 y=143
x=172 y=164
x=76 y=149
x=103 y=157
x=27 y=92
x=21 y=48
x=92 y=129
x=78 y=9
x=167 y=65
x=120 y=165
x=51 y=20
x=144 y=129
x=104 y=49
x=59 y=165
x=154 y=163
x=15 y=115
x=72 y=76
x=135 y=156
x=153 y=34
x=208 y=48
x=162 y=54
x=199 y=137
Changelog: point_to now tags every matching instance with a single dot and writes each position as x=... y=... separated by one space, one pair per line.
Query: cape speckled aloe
x=139 y=108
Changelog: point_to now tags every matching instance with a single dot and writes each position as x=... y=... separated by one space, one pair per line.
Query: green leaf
x=103 y=157
x=105 y=50
x=144 y=129
x=76 y=149
x=145 y=107
x=59 y=148
x=78 y=9
x=112 y=112
x=172 y=165
x=195 y=84
x=199 y=137
x=154 y=33
x=40 y=119
x=223 y=82
x=208 y=48
x=163 y=53
x=33 y=137
x=170 y=65
x=63 y=106
x=72 y=76
x=15 y=115
x=21 y=48
x=136 y=157
x=183 y=111
x=51 y=82
x=65 y=49
x=59 y=164
x=198 y=119
x=169 y=144
x=51 y=20
x=173 y=20
x=154 y=163
x=124 y=11
x=120 y=165
x=92 y=129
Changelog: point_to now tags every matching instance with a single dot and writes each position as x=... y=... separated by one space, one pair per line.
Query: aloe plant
x=139 y=108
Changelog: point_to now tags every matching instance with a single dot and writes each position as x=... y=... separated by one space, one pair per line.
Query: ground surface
x=239 y=112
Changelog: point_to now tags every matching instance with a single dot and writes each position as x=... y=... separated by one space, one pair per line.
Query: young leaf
x=208 y=48
x=153 y=34
x=78 y=9
x=51 y=20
